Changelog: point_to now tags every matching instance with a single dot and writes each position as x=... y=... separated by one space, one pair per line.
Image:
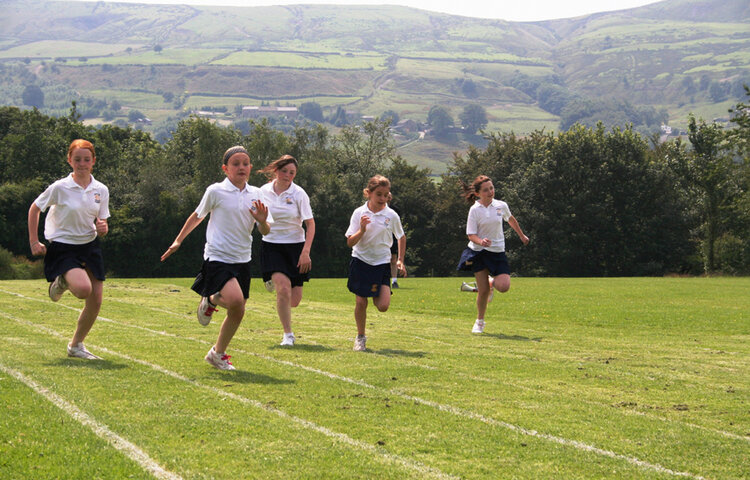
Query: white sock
x=393 y=279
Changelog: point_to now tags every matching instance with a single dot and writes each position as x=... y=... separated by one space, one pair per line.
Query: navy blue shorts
x=214 y=275
x=365 y=280
x=282 y=258
x=61 y=257
x=495 y=262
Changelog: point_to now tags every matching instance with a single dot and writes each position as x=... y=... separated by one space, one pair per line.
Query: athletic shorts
x=282 y=258
x=214 y=275
x=365 y=280
x=62 y=257
x=495 y=262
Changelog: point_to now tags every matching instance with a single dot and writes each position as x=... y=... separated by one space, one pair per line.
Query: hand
x=364 y=221
x=304 y=264
x=101 y=227
x=38 y=249
x=486 y=242
x=259 y=211
x=525 y=239
x=401 y=268
x=172 y=248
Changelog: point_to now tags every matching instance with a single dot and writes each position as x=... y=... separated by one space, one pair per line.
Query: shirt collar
x=229 y=186
x=70 y=183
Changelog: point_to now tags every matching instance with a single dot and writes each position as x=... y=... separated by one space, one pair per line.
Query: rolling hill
x=666 y=59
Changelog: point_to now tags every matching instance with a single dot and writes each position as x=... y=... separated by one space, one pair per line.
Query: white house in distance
x=260 y=112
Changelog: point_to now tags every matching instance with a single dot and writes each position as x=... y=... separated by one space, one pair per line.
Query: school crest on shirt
x=288 y=200
x=387 y=222
x=97 y=198
x=499 y=212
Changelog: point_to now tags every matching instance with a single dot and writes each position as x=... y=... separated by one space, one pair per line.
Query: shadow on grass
x=304 y=348
x=517 y=338
x=241 y=376
x=388 y=352
x=103 y=364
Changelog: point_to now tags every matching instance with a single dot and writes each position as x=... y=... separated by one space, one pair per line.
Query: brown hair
x=81 y=143
x=375 y=182
x=232 y=151
x=471 y=192
x=281 y=162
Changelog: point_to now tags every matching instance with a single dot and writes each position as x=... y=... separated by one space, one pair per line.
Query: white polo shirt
x=487 y=222
x=374 y=248
x=229 y=233
x=290 y=208
x=73 y=210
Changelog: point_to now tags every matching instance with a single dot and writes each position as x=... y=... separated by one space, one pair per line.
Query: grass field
x=574 y=378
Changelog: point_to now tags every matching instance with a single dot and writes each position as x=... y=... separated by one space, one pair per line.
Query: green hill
x=664 y=60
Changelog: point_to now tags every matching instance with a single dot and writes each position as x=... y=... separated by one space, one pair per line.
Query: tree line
x=594 y=201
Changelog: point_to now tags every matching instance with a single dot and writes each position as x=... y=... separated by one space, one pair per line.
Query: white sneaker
x=80 y=351
x=205 y=310
x=219 y=360
x=478 y=327
x=359 y=343
x=288 y=340
x=467 y=287
x=57 y=288
x=269 y=286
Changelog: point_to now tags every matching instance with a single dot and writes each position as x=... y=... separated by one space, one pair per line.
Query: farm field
x=634 y=378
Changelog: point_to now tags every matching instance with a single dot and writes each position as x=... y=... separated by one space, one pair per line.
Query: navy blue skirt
x=282 y=258
x=365 y=280
x=61 y=257
x=214 y=275
x=495 y=262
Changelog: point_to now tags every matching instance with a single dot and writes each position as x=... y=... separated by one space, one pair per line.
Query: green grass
x=304 y=60
x=574 y=378
x=64 y=48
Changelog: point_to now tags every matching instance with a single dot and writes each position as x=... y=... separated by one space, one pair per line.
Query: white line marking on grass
x=102 y=431
x=459 y=411
x=390 y=458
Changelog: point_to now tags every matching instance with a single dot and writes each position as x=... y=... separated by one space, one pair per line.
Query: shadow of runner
x=403 y=353
x=517 y=338
x=303 y=347
x=241 y=376
x=102 y=364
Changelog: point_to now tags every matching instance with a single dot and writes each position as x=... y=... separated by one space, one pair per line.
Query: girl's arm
x=485 y=242
x=354 y=239
x=514 y=224
x=261 y=215
x=401 y=254
x=37 y=247
x=304 y=264
x=190 y=224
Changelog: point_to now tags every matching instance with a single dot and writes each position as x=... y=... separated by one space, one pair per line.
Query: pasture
x=635 y=378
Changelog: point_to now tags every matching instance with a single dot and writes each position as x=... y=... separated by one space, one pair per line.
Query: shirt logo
x=288 y=200
x=97 y=198
x=499 y=212
x=387 y=221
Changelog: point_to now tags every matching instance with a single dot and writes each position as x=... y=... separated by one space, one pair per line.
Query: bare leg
x=283 y=288
x=232 y=299
x=95 y=289
x=502 y=283
x=360 y=314
x=383 y=301
x=483 y=287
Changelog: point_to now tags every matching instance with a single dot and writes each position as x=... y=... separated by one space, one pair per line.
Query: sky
x=512 y=10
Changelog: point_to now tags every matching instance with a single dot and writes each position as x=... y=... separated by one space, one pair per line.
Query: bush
x=732 y=255
x=19 y=267
x=6 y=260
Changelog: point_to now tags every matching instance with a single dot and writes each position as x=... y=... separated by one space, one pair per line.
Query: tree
x=158 y=48
x=439 y=119
x=473 y=118
x=390 y=115
x=33 y=96
x=711 y=172
x=311 y=111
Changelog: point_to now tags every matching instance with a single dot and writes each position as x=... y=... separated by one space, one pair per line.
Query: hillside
x=666 y=59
